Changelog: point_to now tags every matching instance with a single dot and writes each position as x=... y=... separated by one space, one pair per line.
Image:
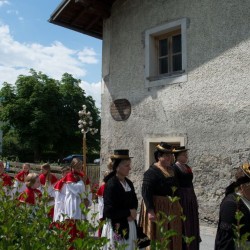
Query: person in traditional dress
x=158 y=186
x=48 y=180
x=5 y=180
x=237 y=199
x=72 y=193
x=19 y=183
x=188 y=199
x=120 y=204
x=31 y=195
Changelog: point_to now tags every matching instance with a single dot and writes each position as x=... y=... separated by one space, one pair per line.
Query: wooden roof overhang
x=85 y=16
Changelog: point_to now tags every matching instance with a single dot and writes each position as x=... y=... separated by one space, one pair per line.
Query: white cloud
x=87 y=55
x=12 y=12
x=2 y=2
x=94 y=90
x=54 y=60
x=15 y=12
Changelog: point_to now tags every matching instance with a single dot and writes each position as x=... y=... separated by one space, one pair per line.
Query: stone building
x=175 y=71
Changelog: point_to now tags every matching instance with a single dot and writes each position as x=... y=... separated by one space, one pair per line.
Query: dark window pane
x=163 y=66
x=176 y=44
x=177 y=63
x=163 y=47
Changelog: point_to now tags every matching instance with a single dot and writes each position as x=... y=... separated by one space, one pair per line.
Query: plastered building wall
x=210 y=111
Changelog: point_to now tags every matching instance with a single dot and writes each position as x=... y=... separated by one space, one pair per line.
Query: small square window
x=165 y=53
x=169 y=53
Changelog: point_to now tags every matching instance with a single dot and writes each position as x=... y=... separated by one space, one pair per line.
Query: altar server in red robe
x=19 y=183
x=31 y=195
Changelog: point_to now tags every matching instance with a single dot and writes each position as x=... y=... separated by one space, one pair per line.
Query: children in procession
x=118 y=203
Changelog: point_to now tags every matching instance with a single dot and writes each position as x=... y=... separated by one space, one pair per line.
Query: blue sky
x=28 y=40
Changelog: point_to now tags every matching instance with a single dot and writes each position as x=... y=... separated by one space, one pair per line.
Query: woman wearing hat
x=187 y=196
x=237 y=199
x=120 y=204
x=157 y=189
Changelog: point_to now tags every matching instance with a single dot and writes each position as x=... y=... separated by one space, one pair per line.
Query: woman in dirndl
x=188 y=199
x=157 y=190
x=120 y=204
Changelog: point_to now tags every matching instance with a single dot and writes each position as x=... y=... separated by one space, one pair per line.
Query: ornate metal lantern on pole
x=85 y=123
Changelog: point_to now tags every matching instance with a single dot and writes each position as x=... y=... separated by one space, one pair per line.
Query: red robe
x=100 y=191
x=30 y=196
x=6 y=179
x=42 y=178
x=58 y=186
x=21 y=176
x=69 y=178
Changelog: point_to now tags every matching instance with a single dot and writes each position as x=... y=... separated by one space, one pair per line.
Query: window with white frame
x=165 y=53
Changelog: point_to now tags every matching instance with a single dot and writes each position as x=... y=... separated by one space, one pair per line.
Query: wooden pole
x=84 y=154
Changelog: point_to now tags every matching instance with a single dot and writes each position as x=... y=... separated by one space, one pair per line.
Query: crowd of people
x=63 y=196
x=169 y=203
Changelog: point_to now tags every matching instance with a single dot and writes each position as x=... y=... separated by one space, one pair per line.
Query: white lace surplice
x=100 y=206
x=68 y=200
x=59 y=209
x=74 y=194
x=19 y=186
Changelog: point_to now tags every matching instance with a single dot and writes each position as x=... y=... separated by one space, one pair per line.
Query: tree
x=73 y=97
x=43 y=113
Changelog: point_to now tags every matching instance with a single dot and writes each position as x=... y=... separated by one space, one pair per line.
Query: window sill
x=166 y=79
x=164 y=76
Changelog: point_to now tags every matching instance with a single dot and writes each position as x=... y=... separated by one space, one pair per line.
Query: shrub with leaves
x=167 y=235
x=25 y=227
x=240 y=240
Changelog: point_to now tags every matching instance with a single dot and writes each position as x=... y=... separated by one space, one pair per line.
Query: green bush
x=240 y=240
x=25 y=227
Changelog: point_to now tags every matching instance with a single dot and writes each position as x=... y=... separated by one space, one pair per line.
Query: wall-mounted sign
x=120 y=109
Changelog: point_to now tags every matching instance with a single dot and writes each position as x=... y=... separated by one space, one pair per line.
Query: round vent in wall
x=120 y=109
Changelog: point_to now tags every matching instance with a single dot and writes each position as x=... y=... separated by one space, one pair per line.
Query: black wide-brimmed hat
x=121 y=154
x=164 y=147
x=180 y=149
